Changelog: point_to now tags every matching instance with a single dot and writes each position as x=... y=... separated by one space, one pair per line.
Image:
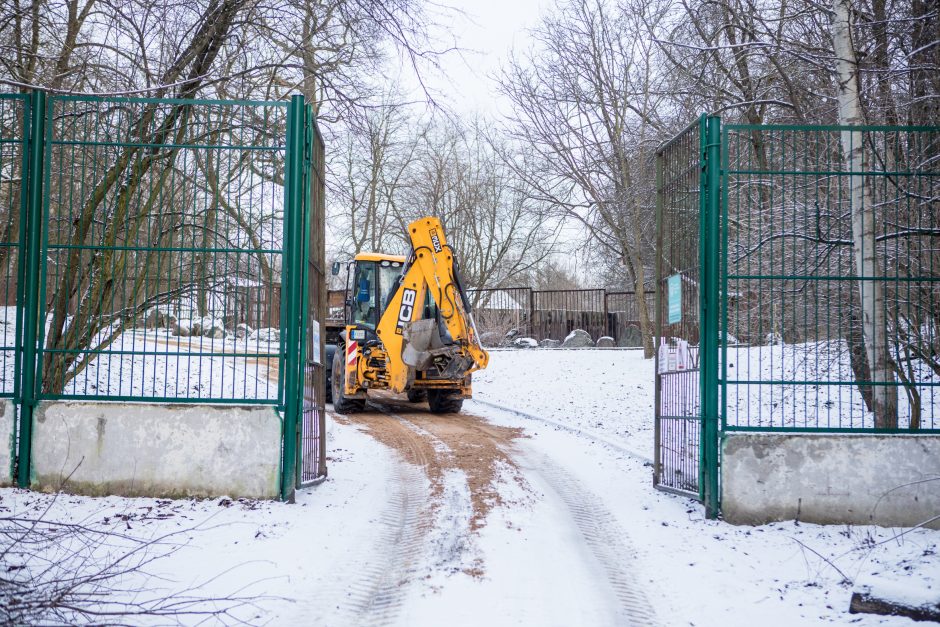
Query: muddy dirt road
x=472 y=471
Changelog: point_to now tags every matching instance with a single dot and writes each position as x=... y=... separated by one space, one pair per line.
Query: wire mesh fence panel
x=831 y=278
x=13 y=165
x=556 y=313
x=678 y=411
x=162 y=250
x=502 y=311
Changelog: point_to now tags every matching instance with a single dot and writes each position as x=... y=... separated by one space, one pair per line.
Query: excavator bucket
x=424 y=347
x=420 y=336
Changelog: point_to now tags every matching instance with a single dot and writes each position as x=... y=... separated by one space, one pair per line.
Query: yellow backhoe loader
x=408 y=327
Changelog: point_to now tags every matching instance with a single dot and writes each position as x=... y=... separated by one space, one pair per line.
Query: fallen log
x=865 y=602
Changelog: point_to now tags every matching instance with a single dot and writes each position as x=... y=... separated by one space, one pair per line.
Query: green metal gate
x=14 y=121
x=768 y=318
x=169 y=251
x=685 y=390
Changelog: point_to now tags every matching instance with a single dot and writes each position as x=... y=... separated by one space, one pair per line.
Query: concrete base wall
x=831 y=479
x=7 y=440
x=146 y=449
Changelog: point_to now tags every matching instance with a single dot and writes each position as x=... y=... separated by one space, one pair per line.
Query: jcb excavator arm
x=412 y=343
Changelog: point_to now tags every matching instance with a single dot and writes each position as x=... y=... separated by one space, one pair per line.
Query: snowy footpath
x=534 y=507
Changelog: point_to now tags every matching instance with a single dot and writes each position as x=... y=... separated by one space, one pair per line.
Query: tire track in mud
x=435 y=445
x=478 y=449
x=464 y=457
x=433 y=510
x=393 y=559
x=605 y=538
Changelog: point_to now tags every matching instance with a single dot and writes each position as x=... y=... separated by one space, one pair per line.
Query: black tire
x=342 y=404
x=328 y=396
x=330 y=356
x=444 y=402
x=417 y=396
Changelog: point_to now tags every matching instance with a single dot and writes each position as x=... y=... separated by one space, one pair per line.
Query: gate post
x=710 y=306
x=301 y=296
x=290 y=319
x=657 y=382
x=34 y=204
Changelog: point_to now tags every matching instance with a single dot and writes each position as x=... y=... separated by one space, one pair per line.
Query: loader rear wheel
x=444 y=402
x=417 y=396
x=341 y=403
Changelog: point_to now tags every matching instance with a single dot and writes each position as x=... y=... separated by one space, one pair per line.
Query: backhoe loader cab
x=408 y=327
x=374 y=279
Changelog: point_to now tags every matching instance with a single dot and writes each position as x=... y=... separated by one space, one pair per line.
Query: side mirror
x=336 y=267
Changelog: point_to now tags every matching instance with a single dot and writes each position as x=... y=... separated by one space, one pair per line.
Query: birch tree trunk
x=871 y=292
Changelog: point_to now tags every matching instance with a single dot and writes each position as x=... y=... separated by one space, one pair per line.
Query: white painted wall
x=7 y=440
x=831 y=479
x=147 y=449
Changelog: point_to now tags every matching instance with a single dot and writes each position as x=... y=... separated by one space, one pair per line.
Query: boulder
x=215 y=332
x=182 y=329
x=579 y=338
x=605 y=342
x=549 y=343
x=511 y=335
x=525 y=342
x=242 y=330
x=156 y=319
x=266 y=335
x=631 y=336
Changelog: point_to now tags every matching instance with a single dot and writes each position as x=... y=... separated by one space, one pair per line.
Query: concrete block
x=864 y=479
x=149 y=449
x=7 y=441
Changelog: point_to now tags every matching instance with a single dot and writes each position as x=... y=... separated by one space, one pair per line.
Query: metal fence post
x=293 y=207
x=31 y=322
x=531 y=312
x=710 y=308
x=301 y=296
x=657 y=382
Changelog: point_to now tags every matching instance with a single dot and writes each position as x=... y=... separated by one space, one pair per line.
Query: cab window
x=389 y=273
x=364 y=294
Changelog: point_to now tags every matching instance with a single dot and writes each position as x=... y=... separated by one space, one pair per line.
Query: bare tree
x=58 y=573
x=589 y=103
x=470 y=180
x=871 y=292
x=378 y=149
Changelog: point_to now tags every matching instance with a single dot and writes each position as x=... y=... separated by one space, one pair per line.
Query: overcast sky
x=490 y=29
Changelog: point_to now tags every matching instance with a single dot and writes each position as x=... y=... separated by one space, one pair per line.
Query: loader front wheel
x=417 y=396
x=444 y=402
x=341 y=403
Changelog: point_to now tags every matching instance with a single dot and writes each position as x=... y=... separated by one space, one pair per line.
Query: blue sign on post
x=674 y=290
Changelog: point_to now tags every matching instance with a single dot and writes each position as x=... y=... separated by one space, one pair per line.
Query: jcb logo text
x=408 y=298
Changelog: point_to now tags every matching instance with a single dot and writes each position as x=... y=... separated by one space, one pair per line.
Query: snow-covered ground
x=7 y=348
x=604 y=393
x=578 y=535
